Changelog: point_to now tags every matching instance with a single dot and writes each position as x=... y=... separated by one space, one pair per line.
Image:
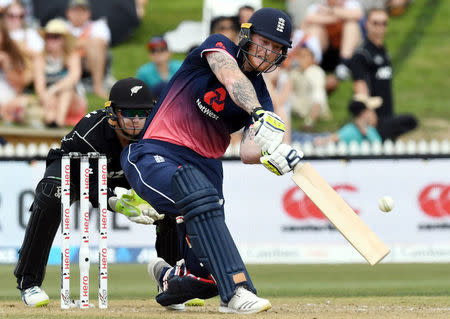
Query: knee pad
x=193 y=193
x=198 y=200
x=48 y=194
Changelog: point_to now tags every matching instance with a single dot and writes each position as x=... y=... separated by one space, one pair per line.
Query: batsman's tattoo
x=241 y=91
x=219 y=61
x=247 y=135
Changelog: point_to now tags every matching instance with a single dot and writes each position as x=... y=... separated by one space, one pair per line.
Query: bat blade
x=340 y=214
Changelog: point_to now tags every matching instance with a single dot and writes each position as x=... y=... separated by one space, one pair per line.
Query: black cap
x=130 y=93
x=356 y=107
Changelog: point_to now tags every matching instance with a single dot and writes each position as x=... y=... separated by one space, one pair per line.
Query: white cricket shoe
x=34 y=297
x=155 y=267
x=245 y=302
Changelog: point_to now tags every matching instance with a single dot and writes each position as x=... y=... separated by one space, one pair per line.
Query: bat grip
x=297 y=167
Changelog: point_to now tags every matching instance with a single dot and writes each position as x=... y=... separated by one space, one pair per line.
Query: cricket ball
x=386 y=204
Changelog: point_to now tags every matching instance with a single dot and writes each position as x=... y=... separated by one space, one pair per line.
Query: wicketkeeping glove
x=282 y=160
x=128 y=203
x=268 y=128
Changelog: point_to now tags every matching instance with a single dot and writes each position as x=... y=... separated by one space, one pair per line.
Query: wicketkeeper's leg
x=41 y=230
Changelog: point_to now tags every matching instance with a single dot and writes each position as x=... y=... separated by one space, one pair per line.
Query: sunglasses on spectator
x=15 y=16
x=158 y=49
x=53 y=36
x=379 y=23
x=134 y=112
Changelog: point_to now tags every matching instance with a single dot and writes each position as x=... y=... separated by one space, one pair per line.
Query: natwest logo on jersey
x=299 y=207
x=216 y=99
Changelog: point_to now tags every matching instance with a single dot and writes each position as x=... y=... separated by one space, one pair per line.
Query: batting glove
x=282 y=160
x=268 y=128
x=128 y=203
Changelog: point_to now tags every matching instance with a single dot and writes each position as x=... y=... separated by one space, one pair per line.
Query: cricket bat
x=340 y=214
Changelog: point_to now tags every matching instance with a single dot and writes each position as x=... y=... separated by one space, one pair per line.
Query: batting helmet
x=270 y=23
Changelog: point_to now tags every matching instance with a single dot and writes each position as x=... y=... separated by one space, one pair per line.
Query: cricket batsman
x=176 y=165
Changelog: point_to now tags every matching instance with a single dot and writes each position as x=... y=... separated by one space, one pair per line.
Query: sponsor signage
x=270 y=218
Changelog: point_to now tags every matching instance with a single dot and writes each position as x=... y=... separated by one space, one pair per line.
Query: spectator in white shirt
x=336 y=24
x=93 y=38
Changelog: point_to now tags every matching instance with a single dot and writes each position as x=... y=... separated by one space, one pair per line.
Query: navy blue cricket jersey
x=195 y=110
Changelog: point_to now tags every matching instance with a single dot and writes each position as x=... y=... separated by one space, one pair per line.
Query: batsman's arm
x=236 y=83
x=250 y=152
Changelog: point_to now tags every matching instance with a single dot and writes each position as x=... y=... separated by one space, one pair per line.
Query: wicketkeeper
x=106 y=131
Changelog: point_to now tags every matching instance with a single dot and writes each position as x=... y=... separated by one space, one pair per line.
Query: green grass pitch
x=321 y=291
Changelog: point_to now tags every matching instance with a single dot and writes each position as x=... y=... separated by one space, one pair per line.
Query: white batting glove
x=128 y=203
x=282 y=160
x=269 y=129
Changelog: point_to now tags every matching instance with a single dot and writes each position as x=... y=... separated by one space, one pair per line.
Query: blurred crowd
x=334 y=41
x=45 y=72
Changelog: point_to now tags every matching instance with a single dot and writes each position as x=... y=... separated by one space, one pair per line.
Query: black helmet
x=131 y=96
x=272 y=24
x=130 y=93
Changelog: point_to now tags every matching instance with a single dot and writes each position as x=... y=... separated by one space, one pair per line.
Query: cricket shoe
x=178 y=285
x=156 y=267
x=245 y=302
x=34 y=297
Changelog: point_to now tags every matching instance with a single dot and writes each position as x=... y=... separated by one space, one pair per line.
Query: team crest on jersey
x=159 y=159
x=216 y=99
x=135 y=89
x=220 y=45
x=378 y=59
x=280 y=24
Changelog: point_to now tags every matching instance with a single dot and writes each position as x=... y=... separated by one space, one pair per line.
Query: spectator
x=92 y=41
x=244 y=13
x=309 y=98
x=336 y=24
x=12 y=78
x=393 y=7
x=56 y=74
x=161 y=67
x=228 y=26
x=372 y=74
x=362 y=128
x=27 y=39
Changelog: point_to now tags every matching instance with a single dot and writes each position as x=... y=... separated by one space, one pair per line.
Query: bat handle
x=297 y=167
